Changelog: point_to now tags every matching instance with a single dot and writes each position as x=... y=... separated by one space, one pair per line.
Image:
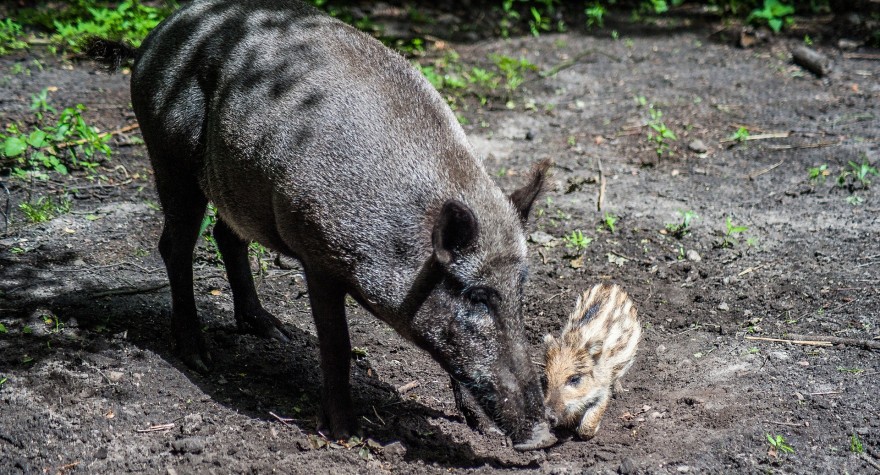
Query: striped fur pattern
x=596 y=348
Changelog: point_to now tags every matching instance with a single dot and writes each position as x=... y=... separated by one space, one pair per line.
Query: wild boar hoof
x=263 y=324
x=198 y=361
x=540 y=438
x=342 y=430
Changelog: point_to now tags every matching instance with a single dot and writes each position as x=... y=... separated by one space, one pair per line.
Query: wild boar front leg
x=327 y=298
x=589 y=424
x=249 y=313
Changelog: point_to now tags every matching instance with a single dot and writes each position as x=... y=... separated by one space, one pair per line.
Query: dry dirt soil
x=104 y=393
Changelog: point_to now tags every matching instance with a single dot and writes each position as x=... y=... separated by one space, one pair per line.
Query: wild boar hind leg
x=184 y=205
x=250 y=316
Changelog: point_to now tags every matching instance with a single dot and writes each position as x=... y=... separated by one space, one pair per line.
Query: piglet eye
x=574 y=380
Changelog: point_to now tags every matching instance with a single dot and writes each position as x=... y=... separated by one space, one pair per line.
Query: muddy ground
x=83 y=396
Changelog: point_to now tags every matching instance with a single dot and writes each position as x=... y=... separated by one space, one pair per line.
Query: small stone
x=804 y=363
x=697 y=146
x=693 y=256
x=627 y=467
x=848 y=44
x=190 y=445
x=542 y=238
x=799 y=396
x=101 y=454
x=191 y=424
x=682 y=469
x=115 y=376
x=530 y=135
x=656 y=415
x=723 y=306
x=661 y=348
x=394 y=450
x=171 y=471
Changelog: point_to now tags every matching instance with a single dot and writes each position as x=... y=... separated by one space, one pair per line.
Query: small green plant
x=808 y=41
x=778 y=444
x=10 y=37
x=3 y=328
x=609 y=220
x=731 y=232
x=3 y=380
x=53 y=147
x=54 y=323
x=682 y=228
x=577 y=241
x=262 y=255
x=857 y=175
x=741 y=135
x=855 y=444
x=854 y=200
x=660 y=134
x=44 y=208
x=774 y=13
x=513 y=70
x=595 y=15
x=129 y=21
x=818 y=174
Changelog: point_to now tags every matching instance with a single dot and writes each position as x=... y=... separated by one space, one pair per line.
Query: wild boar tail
x=112 y=54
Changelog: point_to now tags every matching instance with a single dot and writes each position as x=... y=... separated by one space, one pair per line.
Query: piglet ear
x=525 y=197
x=455 y=231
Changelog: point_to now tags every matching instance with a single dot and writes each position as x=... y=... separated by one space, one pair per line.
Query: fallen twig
x=875 y=57
x=602 y=182
x=758 y=173
x=796 y=342
x=790 y=424
x=770 y=135
x=825 y=393
x=283 y=420
x=865 y=344
x=378 y=416
x=408 y=387
x=130 y=290
x=157 y=428
x=566 y=64
x=807 y=145
x=74 y=143
x=868 y=459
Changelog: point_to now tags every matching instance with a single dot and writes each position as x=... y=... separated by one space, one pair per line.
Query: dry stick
x=157 y=428
x=865 y=344
x=808 y=145
x=378 y=416
x=602 y=183
x=861 y=56
x=868 y=459
x=130 y=290
x=790 y=424
x=283 y=420
x=408 y=387
x=771 y=135
x=796 y=342
x=127 y=128
x=68 y=466
x=566 y=64
x=758 y=173
x=825 y=393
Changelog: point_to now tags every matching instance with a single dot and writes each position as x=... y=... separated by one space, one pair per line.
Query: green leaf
x=3 y=328
x=37 y=139
x=14 y=147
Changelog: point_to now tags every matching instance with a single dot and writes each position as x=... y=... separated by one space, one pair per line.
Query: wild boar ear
x=549 y=340
x=524 y=197
x=455 y=231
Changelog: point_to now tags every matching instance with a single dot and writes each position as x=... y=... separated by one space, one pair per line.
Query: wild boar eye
x=574 y=380
x=484 y=297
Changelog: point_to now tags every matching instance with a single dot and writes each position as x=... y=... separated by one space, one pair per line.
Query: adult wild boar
x=316 y=141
